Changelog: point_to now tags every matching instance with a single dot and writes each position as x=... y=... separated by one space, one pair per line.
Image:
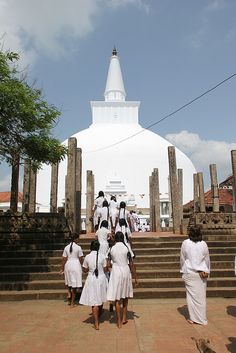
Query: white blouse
x=194 y=257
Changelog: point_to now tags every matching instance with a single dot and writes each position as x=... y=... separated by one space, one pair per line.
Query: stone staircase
x=30 y=269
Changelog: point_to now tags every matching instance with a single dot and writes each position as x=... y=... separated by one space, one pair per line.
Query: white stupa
x=119 y=151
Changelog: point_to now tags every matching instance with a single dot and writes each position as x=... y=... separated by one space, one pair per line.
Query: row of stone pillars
x=73 y=189
x=199 y=198
x=176 y=192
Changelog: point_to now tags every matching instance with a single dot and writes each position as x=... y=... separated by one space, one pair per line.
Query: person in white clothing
x=103 y=235
x=123 y=227
x=195 y=267
x=104 y=214
x=97 y=206
x=134 y=221
x=123 y=213
x=120 y=287
x=72 y=258
x=113 y=208
x=95 y=288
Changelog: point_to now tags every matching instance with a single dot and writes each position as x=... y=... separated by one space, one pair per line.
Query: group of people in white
x=110 y=265
x=112 y=212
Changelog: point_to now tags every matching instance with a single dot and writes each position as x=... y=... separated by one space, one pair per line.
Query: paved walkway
x=155 y=326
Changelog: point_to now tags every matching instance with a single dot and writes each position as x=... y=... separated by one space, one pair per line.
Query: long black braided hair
x=105 y=204
x=94 y=246
x=72 y=237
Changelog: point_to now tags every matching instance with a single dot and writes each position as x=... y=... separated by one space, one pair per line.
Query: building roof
x=5 y=196
x=225 y=198
x=227 y=183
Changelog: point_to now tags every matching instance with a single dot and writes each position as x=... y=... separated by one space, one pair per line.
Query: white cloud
x=205 y=152
x=31 y=25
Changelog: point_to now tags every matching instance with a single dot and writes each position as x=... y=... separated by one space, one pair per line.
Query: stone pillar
x=26 y=187
x=156 y=200
x=70 y=204
x=89 y=201
x=151 y=203
x=195 y=193
x=54 y=188
x=201 y=192
x=32 y=191
x=214 y=188
x=233 y=160
x=180 y=185
x=174 y=189
x=78 y=187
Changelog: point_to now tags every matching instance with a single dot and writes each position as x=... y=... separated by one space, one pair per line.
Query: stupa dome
x=120 y=153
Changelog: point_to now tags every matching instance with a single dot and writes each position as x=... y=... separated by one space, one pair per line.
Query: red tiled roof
x=225 y=198
x=5 y=196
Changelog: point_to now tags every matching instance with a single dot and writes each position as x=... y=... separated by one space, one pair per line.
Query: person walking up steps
x=120 y=287
x=103 y=235
x=95 y=288
x=96 y=208
x=195 y=267
x=104 y=214
x=113 y=208
x=72 y=258
x=123 y=214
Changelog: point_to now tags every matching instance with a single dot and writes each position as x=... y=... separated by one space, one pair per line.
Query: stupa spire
x=115 y=90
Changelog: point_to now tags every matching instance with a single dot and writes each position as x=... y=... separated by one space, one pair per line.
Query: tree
x=26 y=121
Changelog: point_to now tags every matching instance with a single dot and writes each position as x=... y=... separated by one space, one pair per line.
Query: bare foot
x=125 y=322
x=190 y=321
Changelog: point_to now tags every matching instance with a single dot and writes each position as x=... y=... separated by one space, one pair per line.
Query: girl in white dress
x=195 y=267
x=123 y=214
x=72 y=258
x=95 y=287
x=104 y=214
x=113 y=208
x=120 y=286
x=123 y=227
x=103 y=235
x=96 y=208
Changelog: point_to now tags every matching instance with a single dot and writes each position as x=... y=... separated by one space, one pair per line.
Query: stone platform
x=154 y=326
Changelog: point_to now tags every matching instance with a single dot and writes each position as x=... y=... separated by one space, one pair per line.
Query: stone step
x=137 y=244
x=142 y=274
x=146 y=251
x=143 y=283
x=139 y=265
x=139 y=293
x=141 y=258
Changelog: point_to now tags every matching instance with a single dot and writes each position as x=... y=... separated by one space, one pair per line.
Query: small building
x=225 y=197
x=5 y=198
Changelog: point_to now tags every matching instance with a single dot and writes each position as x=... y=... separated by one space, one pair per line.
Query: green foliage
x=26 y=119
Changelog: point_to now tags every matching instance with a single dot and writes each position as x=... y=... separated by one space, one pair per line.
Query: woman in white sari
x=195 y=267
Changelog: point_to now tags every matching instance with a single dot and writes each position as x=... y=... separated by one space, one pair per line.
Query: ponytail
x=96 y=269
x=94 y=246
x=71 y=246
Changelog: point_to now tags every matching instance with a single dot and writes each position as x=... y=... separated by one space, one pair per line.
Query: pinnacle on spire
x=114 y=51
x=114 y=90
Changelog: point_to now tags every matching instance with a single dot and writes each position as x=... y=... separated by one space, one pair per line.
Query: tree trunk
x=14 y=183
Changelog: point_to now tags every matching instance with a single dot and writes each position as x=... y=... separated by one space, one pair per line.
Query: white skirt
x=73 y=273
x=120 y=283
x=94 y=292
x=196 y=297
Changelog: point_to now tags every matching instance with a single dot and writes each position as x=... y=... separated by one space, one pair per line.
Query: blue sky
x=170 y=52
